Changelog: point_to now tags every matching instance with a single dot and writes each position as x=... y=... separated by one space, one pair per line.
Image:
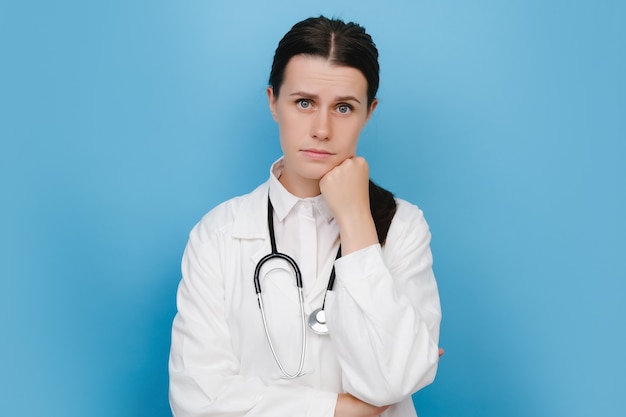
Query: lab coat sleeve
x=384 y=313
x=204 y=372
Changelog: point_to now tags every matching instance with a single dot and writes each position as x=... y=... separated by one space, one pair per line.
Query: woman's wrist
x=350 y=406
x=356 y=232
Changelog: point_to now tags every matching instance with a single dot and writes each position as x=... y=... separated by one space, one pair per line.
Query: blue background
x=122 y=122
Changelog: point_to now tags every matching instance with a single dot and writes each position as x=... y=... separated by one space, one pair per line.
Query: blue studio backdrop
x=123 y=122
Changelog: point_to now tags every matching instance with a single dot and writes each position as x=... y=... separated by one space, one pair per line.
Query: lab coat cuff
x=354 y=267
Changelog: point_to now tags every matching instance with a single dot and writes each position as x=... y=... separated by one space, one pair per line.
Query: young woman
x=359 y=332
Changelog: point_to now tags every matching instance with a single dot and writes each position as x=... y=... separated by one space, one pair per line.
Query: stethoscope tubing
x=273 y=255
x=317 y=326
x=286 y=375
x=257 y=286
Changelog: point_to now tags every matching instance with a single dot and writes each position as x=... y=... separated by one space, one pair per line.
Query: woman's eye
x=344 y=108
x=304 y=104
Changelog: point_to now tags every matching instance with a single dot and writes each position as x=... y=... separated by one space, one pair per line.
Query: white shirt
x=383 y=313
x=305 y=230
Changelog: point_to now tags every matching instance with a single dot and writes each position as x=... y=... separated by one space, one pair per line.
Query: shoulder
x=408 y=220
x=237 y=213
x=407 y=212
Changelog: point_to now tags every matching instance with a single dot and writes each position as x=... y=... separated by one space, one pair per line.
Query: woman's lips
x=316 y=153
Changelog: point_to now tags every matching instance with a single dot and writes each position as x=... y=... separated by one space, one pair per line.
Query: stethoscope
x=317 y=319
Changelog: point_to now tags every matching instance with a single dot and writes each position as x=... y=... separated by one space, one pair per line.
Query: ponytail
x=383 y=208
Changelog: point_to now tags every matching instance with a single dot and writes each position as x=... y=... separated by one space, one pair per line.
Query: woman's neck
x=302 y=188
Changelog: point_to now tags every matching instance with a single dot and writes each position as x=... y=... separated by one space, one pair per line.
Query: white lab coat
x=383 y=315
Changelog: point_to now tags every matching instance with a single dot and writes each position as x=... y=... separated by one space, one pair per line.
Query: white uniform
x=383 y=313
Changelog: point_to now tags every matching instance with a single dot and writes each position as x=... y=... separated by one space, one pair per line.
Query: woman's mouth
x=316 y=153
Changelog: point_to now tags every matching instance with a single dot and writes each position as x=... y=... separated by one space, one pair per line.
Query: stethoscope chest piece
x=317 y=321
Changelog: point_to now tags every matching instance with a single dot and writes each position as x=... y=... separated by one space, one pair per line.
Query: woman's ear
x=271 y=99
x=372 y=108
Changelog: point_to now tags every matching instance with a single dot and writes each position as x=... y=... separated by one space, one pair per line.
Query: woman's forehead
x=317 y=75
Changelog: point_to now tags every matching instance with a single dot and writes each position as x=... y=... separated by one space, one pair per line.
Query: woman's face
x=320 y=111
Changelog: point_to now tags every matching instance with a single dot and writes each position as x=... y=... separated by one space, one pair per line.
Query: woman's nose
x=320 y=129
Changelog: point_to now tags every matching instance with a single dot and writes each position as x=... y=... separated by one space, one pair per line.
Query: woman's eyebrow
x=316 y=97
x=303 y=94
x=347 y=98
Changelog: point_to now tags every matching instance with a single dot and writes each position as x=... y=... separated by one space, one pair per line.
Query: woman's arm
x=350 y=406
x=384 y=312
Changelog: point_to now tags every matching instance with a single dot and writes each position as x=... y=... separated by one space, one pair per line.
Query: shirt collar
x=283 y=201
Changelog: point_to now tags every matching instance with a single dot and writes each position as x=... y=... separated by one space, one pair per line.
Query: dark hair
x=344 y=44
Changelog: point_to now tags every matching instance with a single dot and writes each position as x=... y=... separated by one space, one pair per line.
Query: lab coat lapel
x=251 y=224
x=250 y=221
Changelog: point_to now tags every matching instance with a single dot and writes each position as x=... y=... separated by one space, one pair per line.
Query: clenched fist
x=346 y=191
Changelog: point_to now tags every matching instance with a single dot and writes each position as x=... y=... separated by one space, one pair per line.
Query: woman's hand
x=349 y=406
x=346 y=191
x=346 y=187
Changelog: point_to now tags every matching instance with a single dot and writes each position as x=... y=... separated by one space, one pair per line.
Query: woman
x=231 y=357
